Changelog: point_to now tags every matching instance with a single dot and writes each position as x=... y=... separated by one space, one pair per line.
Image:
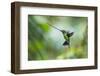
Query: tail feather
x=66 y=43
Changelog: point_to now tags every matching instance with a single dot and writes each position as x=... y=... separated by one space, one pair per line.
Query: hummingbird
x=67 y=35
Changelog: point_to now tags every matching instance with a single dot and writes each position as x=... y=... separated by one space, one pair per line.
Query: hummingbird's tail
x=66 y=43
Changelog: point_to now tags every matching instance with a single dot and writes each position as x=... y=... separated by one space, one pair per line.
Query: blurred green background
x=46 y=43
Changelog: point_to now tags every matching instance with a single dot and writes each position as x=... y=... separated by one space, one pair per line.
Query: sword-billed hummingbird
x=66 y=35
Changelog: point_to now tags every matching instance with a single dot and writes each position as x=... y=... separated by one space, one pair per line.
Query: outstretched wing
x=70 y=34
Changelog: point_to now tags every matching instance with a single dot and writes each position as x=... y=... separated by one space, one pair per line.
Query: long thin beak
x=54 y=27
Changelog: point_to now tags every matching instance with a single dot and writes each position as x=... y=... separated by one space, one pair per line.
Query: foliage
x=45 y=42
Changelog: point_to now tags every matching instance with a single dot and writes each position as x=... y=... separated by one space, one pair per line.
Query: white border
x=25 y=64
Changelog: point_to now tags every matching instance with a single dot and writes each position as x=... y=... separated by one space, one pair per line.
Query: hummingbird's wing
x=70 y=34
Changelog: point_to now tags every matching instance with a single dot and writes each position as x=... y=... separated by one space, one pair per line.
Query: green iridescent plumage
x=66 y=35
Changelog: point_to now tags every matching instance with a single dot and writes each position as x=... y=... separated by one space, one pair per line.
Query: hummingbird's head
x=68 y=33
